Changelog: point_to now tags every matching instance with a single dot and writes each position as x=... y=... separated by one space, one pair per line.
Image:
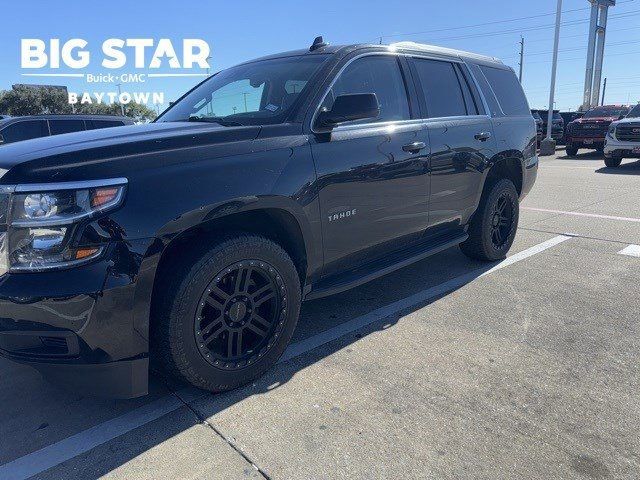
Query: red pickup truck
x=591 y=130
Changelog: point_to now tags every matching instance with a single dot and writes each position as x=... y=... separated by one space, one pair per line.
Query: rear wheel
x=571 y=150
x=613 y=162
x=493 y=227
x=229 y=316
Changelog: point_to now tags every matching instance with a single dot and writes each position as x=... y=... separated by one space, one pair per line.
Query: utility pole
x=595 y=52
x=521 y=56
x=245 y=101
x=604 y=90
x=548 y=145
x=120 y=93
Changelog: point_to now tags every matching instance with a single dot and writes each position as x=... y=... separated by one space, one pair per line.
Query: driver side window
x=374 y=74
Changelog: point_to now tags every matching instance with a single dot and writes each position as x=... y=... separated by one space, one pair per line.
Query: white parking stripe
x=343 y=329
x=57 y=453
x=631 y=250
x=581 y=214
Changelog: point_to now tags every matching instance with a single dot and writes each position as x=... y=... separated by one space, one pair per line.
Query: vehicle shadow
x=624 y=169
x=317 y=316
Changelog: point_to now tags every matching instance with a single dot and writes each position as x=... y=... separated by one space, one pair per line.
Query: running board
x=391 y=263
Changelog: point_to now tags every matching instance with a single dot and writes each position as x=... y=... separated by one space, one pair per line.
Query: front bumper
x=618 y=149
x=79 y=327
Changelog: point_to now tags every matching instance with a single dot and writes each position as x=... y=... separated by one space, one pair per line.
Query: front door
x=373 y=186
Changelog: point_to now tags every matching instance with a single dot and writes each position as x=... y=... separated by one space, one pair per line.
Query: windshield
x=255 y=93
x=606 y=112
x=536 y=115
x=635 y=112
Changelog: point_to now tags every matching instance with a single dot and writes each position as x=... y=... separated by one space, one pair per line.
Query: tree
x=27 y=100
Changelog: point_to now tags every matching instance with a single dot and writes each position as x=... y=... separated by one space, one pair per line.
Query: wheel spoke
x=230 y=341
x=209 y=328
x=262 y=295
x=260 y=322
x=214 y=303
x=242 y=280
x=239 y=343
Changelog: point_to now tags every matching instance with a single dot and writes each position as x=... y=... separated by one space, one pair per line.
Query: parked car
x=193 y=240
x=590 y=130
x=623 y=139
x=539 y=125
x=17 y=129
x=557 y=125
x=569 y=117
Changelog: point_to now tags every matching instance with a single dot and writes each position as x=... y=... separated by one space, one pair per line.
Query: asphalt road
x=445 y=369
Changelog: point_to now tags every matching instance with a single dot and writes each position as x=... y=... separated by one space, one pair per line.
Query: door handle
x=482 y=136
x=414 y=147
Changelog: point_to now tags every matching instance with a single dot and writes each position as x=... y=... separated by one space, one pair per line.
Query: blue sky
x=240 y=30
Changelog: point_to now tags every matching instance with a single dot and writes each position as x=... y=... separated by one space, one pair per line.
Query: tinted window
x=374 y=74
x=19 y=131
x=471 y=98
x=606 y=112
x=508 y=90
x=65 y=126
x=635 y=112
x=441 y=88
x=486 y=91
x=93 y=124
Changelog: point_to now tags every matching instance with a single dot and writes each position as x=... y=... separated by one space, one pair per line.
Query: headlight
x=38 y=223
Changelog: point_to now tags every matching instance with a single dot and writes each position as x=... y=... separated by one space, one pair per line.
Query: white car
x=623 y=139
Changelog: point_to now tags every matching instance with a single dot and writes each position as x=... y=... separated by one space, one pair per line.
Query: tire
x=571 y=151
x=202 y=310
x=612 y=162
x=483 y=242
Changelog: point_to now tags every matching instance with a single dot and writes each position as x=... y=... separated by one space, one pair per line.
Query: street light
x=548 y=145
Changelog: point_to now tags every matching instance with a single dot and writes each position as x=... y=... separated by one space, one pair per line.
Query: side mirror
x=1 y=139
x=347 y=108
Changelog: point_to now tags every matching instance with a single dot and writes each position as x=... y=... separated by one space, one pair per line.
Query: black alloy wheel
x=238 y=314
x=502 y=219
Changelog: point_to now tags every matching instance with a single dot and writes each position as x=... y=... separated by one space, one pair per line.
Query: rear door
x=373 y=187
x=461 y=135
x=70 y=125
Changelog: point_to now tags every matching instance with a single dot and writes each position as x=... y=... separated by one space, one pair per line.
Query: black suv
x=17 y=129
x=192 y=241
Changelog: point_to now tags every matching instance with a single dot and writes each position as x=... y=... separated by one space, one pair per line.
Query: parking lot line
x=82 y=442
x=582 y=214
x=343 y=329
x=631 y=250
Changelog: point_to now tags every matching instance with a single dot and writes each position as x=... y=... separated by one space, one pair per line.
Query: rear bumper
x=79 y=326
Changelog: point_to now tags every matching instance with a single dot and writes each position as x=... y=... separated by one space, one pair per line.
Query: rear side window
x=486 y=91
x=94 y=124
x=374 y=74
x=508 y=90
x=16 y=132
x=65 y=126
x=441 y=88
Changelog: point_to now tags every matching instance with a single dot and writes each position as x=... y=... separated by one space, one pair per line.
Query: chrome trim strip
x=81 y=185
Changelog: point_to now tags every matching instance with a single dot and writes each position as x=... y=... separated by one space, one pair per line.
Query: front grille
x=589 y=130
x=628 y=133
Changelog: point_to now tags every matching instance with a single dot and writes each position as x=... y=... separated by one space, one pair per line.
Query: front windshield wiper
x=218 y=120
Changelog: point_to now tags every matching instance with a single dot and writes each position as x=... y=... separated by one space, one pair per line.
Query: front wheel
x=571 y=151
x=228 y=317
x=612 y=162
x=493 y=227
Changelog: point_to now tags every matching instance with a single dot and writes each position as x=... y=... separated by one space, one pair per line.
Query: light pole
x=521 y=57
x=548 y=145
x=120 y=93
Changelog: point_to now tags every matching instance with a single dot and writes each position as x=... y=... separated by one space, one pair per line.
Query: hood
x=626 y=121
x=121 y=141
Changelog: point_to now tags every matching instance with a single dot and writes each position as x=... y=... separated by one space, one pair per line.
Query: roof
x=410 y=46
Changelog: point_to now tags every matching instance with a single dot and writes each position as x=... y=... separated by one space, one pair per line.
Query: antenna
x=318 y=42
